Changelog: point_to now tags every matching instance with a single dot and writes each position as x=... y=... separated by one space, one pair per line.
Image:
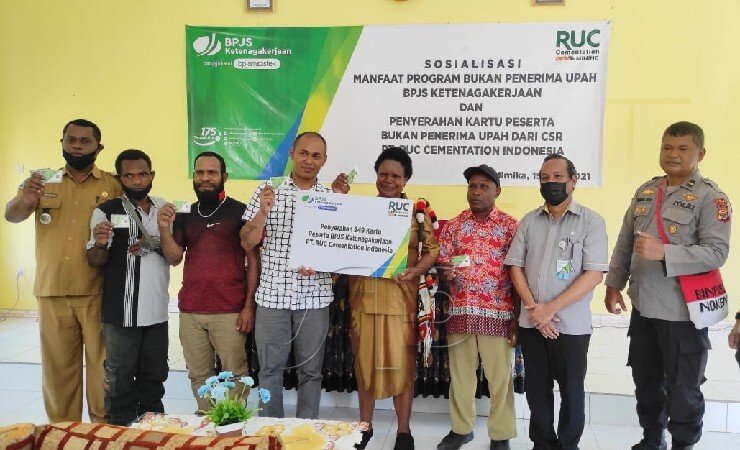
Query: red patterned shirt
x=480 y=300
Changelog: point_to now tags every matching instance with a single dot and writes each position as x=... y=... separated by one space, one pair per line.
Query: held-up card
x=120 y=220
x=50 y=175
x=181 y=206
x=460 y=261
x=275 y=182
x=352 y=175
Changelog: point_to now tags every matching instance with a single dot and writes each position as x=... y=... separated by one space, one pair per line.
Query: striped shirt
x=134 y=287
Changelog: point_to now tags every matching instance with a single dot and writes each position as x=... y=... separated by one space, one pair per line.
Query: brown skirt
x=385 y=352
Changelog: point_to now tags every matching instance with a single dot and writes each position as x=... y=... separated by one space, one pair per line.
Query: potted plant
x=229 y=411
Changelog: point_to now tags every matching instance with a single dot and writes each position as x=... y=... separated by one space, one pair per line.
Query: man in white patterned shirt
x=292 y=305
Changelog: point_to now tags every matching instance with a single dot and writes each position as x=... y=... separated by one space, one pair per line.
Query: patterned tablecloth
x=175 y=423
x=305 y=434
x=297 y=434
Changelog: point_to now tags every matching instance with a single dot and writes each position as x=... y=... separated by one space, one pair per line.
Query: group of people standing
x=104 y=247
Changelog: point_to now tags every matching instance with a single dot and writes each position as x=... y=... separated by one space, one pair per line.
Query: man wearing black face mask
x=558 y=257
x=212 y=300
x=67 y=287
x=124 y=241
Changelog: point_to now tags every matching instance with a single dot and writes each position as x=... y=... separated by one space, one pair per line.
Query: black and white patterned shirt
x=134 y=287
x=281 y=287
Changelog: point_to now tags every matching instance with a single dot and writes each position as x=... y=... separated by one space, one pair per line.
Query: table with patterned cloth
x=189 y=424
x=93 y=436
x=17 y=437
x=295 y=434
x=307 y=434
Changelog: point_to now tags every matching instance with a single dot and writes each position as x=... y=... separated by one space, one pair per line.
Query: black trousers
x=562 y=360
x=135 y=371
x=668 y=361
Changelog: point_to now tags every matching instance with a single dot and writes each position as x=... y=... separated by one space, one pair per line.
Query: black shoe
x=500 y=445
x=645 y=445
x=453 y=441
x=366 y=435
x=651 y=440
x=404 y=441
x=680 y=446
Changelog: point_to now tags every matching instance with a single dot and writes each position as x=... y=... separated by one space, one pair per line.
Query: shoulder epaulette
x=712 y=184
x=650 y=181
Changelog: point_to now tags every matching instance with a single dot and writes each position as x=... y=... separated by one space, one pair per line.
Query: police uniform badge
x=672 y=229
x=640 y=210
x=689 y=197
x=104 y=194
x=648 y=192
x=723 y=209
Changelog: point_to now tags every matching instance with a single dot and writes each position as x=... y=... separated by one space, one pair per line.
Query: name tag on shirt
x=564 y=268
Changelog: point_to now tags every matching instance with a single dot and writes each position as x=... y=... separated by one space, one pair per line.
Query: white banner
x=351 y=234
x=460 y=95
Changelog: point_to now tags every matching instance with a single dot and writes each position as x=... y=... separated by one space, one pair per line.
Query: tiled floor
x=20 y=401
x=607 y=356
x=20 y=392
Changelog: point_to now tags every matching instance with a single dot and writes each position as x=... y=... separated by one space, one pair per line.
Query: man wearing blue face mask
x=557 y=258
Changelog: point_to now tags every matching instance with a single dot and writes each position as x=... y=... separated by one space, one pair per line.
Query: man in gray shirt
x=558 y=257
x=667 y=353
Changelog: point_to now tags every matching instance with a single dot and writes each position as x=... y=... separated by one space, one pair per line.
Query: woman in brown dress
x=384 y=330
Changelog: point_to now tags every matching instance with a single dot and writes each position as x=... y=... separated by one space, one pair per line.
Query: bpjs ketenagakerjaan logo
x=320 y=202
x=210 y=45
x=207 y=45
x=577 y=45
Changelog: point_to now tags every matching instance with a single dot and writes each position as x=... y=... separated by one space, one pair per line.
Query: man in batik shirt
x=482 y=317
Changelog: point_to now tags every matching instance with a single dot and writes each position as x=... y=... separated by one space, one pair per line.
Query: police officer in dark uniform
x=667 y=353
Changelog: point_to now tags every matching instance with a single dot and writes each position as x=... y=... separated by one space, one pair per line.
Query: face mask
x=79 y=162
x=210 y=197
x=554 y=193
x=136 y=194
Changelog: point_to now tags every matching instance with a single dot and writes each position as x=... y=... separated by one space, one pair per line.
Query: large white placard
x=459 y=95
x=351 y=234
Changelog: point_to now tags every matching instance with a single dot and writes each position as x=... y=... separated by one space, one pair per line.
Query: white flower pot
x=231 y=430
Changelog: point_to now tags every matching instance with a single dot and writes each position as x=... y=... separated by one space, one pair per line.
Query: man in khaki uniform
x=667 y=353
x=67 y=287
